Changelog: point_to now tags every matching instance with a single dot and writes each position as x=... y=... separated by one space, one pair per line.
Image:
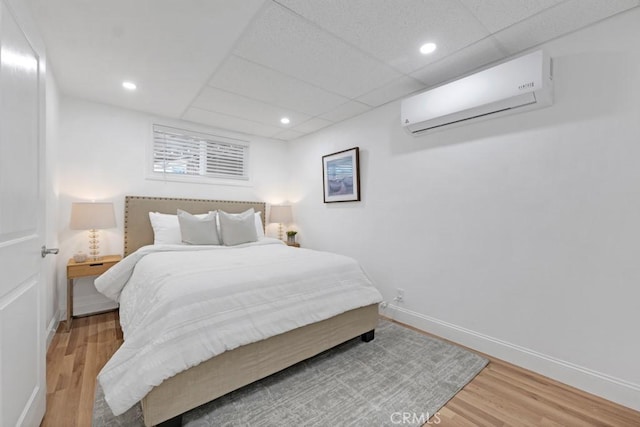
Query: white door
x=22 y=338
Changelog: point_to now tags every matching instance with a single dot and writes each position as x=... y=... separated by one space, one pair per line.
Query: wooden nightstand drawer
x=85 y=269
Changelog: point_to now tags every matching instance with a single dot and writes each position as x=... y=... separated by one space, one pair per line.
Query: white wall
x=49 y=271
x=518 y=236
x=102 y=157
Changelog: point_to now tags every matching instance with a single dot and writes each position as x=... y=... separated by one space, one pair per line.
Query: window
x=179 y=153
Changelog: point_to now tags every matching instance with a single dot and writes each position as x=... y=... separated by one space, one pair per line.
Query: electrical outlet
x=399 y=295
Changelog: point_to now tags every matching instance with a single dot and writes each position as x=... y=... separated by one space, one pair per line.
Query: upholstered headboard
x=137 y=227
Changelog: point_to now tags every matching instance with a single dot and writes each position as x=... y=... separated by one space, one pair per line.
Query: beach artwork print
x=341 y=176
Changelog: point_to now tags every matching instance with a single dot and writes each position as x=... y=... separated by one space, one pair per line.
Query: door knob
x=44 y=251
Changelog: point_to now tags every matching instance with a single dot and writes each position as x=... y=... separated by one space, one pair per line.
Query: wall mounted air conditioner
x=521 y=84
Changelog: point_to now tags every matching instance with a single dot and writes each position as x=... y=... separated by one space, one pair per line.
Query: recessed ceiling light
x=285 y=120
x=129 y=85
x=428 y=48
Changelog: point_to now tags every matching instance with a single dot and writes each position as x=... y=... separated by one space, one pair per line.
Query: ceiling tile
x=564 y=18
x=282 y=40
x=496 y=15
x=346 y=110
x=312 y=125
x=476 y=56
x=392 y=91
x=394 y=30
x=256 y=81
x=170 y=49
x=232 y=104
x=289 y=135
x=223 y=121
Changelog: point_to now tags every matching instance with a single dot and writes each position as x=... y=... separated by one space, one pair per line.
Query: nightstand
x=76 y=270
x=295 y=245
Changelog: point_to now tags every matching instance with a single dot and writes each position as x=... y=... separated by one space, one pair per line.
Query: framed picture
x=341 y=176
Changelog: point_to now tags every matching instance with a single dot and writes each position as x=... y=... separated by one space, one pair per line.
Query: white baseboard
x=52 y=327
x=614 y=389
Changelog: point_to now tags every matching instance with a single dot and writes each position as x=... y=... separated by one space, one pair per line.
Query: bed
x=246 y=363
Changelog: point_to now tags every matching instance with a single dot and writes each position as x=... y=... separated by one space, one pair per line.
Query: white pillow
x=166 y=228
x=198 y=231
x=236 y=229
x=259 y=226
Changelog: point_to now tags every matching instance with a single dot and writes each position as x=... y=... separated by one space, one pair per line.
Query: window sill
x=200 y=180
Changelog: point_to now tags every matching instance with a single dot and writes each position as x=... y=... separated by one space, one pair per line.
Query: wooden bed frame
x=165 y=404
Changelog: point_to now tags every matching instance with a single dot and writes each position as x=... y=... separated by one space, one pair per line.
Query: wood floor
x=501 y=395
x=73 y=361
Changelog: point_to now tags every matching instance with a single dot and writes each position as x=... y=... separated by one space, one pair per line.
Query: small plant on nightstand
x=291 y=236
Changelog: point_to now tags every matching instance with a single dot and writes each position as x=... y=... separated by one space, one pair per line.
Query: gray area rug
x=400 y=378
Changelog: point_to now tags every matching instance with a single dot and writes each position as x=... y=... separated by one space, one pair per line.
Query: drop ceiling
x=243 y=65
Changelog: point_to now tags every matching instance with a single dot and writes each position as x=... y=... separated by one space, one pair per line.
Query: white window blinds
x=180 y=152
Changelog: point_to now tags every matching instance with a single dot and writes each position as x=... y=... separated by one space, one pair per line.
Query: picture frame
x=341 y=176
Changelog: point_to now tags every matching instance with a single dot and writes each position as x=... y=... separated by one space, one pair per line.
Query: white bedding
x=180 y=306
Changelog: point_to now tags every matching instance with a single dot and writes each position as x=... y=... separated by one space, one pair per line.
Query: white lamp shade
x=90 y=216
x=281 y=214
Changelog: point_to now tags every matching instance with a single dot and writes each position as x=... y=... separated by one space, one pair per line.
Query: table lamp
x=92 y=217
x=282 y=215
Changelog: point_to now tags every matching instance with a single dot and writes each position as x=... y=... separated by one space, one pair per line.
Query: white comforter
x=180 y=306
